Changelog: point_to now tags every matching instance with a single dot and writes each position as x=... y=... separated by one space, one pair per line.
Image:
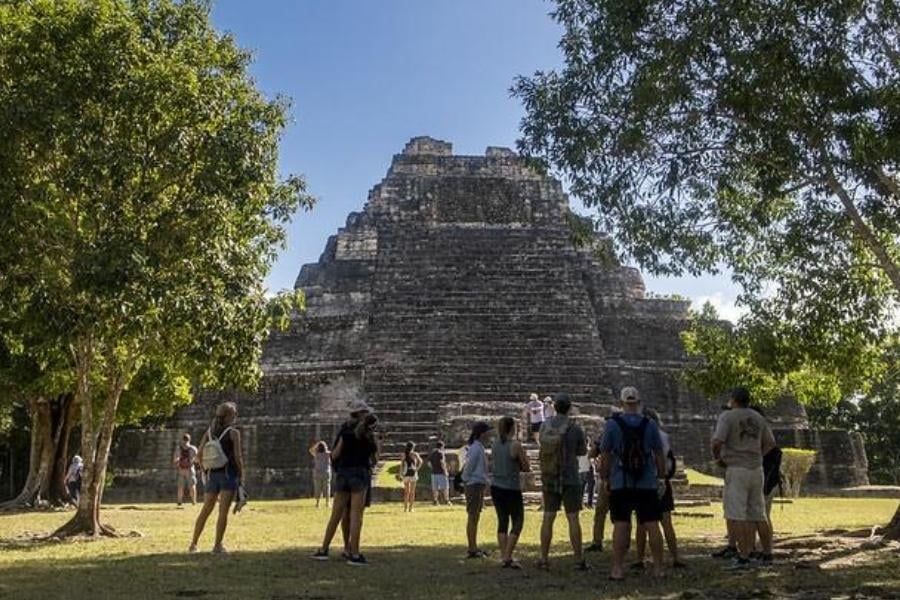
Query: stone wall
x=454 y=293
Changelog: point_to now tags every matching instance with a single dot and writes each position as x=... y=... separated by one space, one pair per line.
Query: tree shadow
x=433 y=572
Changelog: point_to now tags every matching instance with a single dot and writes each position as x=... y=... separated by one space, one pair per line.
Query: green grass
x=698 y=478
x=416 y=555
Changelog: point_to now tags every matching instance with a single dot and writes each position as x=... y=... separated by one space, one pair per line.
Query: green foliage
x=795 y=465
x=758 y=135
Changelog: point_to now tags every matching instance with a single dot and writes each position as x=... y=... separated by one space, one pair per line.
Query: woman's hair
x=366 y=427
x=225 y=414
x=506 y=428
x=407 y=452
x=321 y=447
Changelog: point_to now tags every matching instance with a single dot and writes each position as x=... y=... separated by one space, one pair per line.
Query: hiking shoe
x=726 y=552
x=219 y=550
x=357 y=561
x=763 y=558
x=740 y=564
x=476 y=554
x=582 y=566
x=594 y=547
x=320 y=555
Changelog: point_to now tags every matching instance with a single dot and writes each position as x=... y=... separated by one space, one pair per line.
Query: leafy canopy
x=141 y=202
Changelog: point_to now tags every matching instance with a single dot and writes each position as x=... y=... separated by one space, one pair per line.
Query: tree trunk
x=95 y=444
x=51 y=424
x=892 y=532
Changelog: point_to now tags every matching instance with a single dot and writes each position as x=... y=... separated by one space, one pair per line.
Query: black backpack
x=772 y=470
x=633 y=458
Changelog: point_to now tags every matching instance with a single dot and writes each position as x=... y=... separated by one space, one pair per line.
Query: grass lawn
x=417 y=555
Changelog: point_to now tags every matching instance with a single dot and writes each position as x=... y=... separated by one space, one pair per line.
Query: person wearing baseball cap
x=475 y=478
x=631 y=461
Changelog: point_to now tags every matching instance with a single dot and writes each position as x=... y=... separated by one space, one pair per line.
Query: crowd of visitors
x=624 y=474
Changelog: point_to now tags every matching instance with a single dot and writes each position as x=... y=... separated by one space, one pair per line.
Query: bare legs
x=546 y=535
x=574 y=535
x=472 y=530
x=409 y=495
x=338 y=510
x=209 y=504
x=668 y=531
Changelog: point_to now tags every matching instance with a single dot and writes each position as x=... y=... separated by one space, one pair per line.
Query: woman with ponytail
x=510 y=459
x=222 y=481
x=410 y=473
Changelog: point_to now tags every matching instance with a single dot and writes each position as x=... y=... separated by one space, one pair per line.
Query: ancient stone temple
x=454 y=293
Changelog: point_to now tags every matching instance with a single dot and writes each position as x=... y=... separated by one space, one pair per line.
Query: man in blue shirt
x=631 y=465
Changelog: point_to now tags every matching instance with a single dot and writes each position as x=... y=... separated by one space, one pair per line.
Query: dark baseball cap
x=479 y=428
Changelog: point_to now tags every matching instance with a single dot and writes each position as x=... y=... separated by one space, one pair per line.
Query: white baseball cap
x=630 y=395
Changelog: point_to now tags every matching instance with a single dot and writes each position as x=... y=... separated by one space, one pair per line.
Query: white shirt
x=536 y=411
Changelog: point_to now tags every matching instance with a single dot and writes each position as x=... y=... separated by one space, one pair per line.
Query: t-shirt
x=613 y=441
x=191 y=455
x=355 y=451
x=574 y=445
x=584 y=464
x=436 y=460
x=475 y=469
x=743 y=432
x=322 y=463
x=536 y=411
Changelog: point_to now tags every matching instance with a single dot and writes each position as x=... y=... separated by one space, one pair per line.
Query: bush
x=795 y=464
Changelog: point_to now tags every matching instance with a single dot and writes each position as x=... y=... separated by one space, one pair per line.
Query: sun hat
x=358 y=405
x=630 y=395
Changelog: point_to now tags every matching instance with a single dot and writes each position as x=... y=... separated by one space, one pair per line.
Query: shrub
x=795 y=464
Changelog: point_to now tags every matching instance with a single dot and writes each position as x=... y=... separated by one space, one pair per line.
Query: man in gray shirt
x=562 y=442
x=741 y=439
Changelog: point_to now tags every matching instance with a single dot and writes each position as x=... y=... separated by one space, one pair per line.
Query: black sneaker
x=726 y=552
x=740 y=564
x=357 y=561
x=582 y=566
x=476 y=554
x=320 y=555
x=763 y=558
x=595 y=547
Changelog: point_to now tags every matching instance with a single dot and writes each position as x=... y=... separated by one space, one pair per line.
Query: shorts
x=352 y=480
x=667 y=502
x=410 y=478
x=510 y=509
x=186 y=478
x=744 y=498
x=440 y=483
x=475 y=498
x=569 y=498
x=221 y=480
x=536 y=427
x=322 y=484
x=644 y=503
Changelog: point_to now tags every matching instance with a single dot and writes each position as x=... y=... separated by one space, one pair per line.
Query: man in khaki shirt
x=741 y=439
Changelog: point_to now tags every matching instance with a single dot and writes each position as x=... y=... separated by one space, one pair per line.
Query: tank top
x=506 y=468
x=410 y=466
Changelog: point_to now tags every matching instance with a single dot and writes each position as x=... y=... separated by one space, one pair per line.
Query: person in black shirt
x=354 y=455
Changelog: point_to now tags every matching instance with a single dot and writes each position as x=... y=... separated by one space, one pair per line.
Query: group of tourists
x=630 y=466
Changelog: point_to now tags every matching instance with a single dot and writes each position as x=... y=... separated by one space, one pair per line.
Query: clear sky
x=366 y=75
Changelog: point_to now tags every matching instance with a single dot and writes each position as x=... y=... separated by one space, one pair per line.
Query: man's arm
x=768 y=440
x=582 y=449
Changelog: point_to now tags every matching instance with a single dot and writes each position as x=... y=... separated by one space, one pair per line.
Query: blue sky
x=365 y=76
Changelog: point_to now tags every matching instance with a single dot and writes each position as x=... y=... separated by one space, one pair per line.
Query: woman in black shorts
x=510 y=459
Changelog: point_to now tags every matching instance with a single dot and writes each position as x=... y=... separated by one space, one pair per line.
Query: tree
x=141 y=206
x=758 y=135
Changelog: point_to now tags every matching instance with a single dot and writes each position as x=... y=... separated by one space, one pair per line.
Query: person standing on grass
x=741 y=439
x=601 y=509
x=221 y=439
x=562 y=442
x=631 y=461
x=354 y=455
x=475 y=478
x=535 y=410
x=321 y=472
x=440 y=482
x=666 y=503
x=185 y=457
x=410 y=469
x=73 y=479
x=586 y=473
x=510 y=459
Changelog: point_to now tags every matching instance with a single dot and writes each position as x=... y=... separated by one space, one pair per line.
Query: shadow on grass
x=434 y=572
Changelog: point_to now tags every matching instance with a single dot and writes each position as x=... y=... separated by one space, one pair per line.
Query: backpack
x=551 y=451
x=184 y=459
x=672 y=465
x=633 y=457
x=214 y=456
x=772 y=470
